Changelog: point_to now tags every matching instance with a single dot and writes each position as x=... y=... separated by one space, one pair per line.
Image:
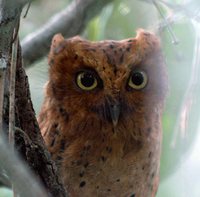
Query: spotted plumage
x=101 y=117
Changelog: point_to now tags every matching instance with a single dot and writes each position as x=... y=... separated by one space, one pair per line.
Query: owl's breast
x=106 y=161
x=111 y=172
x=97 y=158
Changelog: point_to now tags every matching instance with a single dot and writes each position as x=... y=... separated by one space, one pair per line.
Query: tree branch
x=71 y=21
x=178 y=8
x=28 y=139
x=19 y=174
x=9 y=16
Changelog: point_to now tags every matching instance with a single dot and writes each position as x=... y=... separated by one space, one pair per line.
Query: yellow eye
x=86 y=80
x=138 y=80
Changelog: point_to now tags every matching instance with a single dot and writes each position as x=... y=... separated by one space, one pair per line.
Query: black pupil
x=87 y=79
x=137 y=78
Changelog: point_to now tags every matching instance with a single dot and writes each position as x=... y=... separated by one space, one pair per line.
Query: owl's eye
x=86 y=80
x=138 y=80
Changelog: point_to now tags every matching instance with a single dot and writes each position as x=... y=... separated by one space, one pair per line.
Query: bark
x=28 y=139
x=9 y=16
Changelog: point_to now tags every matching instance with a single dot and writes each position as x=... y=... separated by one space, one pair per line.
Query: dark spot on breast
x=56 y=132
x=86 y=164
x=132 y=195
x=118 y=180
x=150 y=154
x=78 y=163
x=97 y=187
x=76 y=57
x=149 y=185
x=113 y=130
x=110 y=60
x=62 y=145
x=55 y=125
x=109 y=149
x=128 y=49
x=143 y=167
x=82 y=184
x=153 y=174
x=59 y=158
x=103 y=158
x=87 y=148
x=81 y=126
x=111 y=46
x=121 y=59
x=81 y=174
x=149 y=130
x=64 y=113
x=53 y=88
x=108 y=190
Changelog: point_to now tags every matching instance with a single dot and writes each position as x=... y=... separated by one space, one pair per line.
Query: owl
x=101 y=116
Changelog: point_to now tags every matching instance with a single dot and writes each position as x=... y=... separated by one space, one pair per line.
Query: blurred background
x=180 y=162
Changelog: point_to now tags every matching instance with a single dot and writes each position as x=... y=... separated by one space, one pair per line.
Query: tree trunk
x=28 y=140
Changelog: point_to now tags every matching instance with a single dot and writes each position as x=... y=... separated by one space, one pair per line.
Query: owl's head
x=108 y=79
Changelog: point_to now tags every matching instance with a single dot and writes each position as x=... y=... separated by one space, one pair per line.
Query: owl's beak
x=115 y=112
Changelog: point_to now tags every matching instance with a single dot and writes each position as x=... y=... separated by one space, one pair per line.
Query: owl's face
x=109 y=80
